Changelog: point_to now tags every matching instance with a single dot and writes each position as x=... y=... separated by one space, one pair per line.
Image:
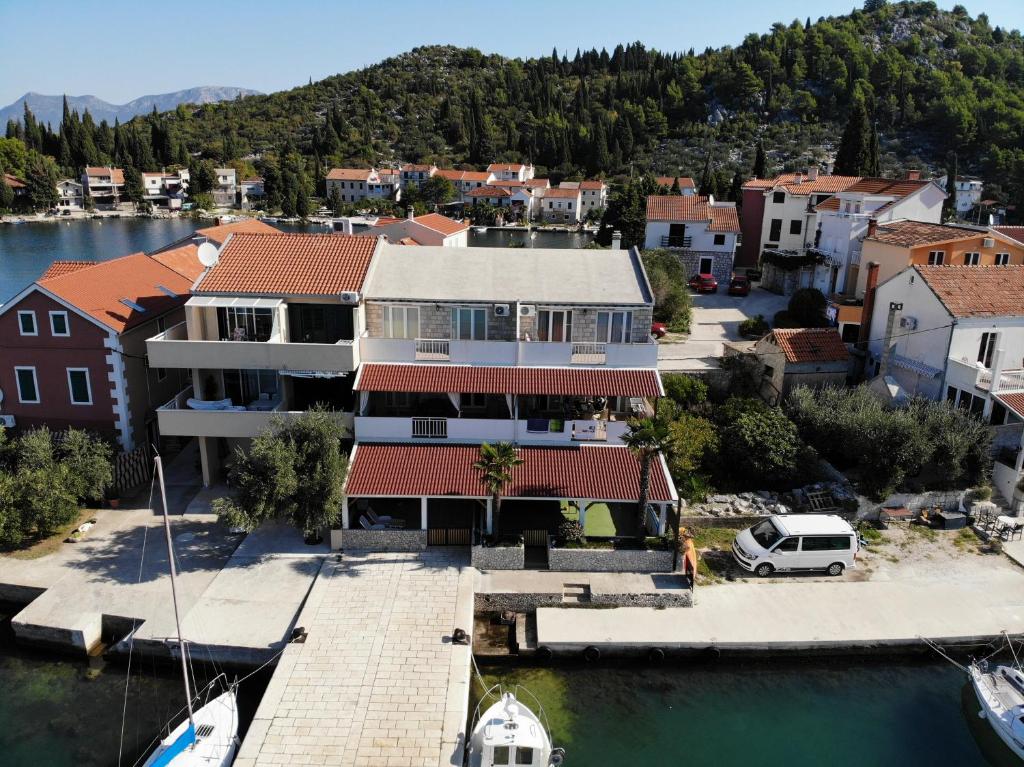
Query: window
x=775 y=232
x=765 y=533
x=524 y=755
x=796 y=226
x=28 y=387
x=951 y=393
x=936 y=257
x=78 y=386
x=27 y=324
x=850 y=332
x=244 y=387
x=719 y=239
x=826 y=543
x=1002 y=259
x=972 y=259
x=401 y=321
x=554 y=325
x=469 y=324
x=59 y=324
x=707 y=264
x=778 y=198
x=501 y=755
x=473 y=401
x=788 y=544
x=986 y=348
x=244 y=323
x=768 y=372
x=614 y=327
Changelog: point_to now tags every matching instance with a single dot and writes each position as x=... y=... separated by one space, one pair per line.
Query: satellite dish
x=208 y=254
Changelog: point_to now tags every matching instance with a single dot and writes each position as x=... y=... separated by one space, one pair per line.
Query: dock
x=377 y=681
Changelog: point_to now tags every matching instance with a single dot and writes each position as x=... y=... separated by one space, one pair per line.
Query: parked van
x=785 y=542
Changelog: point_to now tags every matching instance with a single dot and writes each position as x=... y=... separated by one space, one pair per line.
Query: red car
x=658 y=329
x=739 y=286
x=704 y=283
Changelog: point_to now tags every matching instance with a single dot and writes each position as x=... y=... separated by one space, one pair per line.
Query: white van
x=786 y=542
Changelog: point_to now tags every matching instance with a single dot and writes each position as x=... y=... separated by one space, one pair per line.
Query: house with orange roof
x=560 y=205
x=219 y=233
x=413 y=174
x=105 y=186
x=428 y=229
x=791 y=357
x=593 y=196
x=511 y=171
x=465 y=181
x=491 y=194
x=686 y=184
x=703 y=230
x=73 y=347
x=357 y=184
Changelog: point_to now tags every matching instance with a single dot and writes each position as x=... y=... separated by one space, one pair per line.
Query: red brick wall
x=51 y=356
x=751 y=219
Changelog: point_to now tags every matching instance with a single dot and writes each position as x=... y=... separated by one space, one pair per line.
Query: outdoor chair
x=367 y=525
x=387 y=521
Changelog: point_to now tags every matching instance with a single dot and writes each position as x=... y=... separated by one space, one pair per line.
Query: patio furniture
x=212 y=404
x=950 y=520
x=1010 y=528
x=367 y=525
x=384 y=520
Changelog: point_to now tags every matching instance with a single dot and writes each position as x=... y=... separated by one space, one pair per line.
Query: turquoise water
x=763 y=714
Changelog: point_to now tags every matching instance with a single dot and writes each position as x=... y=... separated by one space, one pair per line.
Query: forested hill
x=933 y=82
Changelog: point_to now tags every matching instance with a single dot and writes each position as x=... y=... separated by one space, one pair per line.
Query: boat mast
x=174 y=590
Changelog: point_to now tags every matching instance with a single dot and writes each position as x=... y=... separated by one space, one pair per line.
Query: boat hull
x=215 y=750
x=999 y=717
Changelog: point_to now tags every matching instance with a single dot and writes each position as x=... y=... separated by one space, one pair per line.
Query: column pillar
x=344 y=515
x=423 y=513
x=207 y=455
x=490 y=517
x=582 y=506
x=662 y=519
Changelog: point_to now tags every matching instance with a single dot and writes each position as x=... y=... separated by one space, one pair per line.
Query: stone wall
x=516 y=602
x=498 y=557
x=383 y=540
x=721 y=267
x=609 y=560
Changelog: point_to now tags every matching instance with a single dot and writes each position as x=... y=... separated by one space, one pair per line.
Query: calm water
x=763 y=715
x=61 y=712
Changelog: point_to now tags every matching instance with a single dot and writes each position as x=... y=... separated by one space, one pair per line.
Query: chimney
x=872 y=227
x=798 y=178
x=889 y=347
x=812 y=173
x=410 y=214
x=913 y=175
x=829 y=167
x=616 y=240
x=869 y=306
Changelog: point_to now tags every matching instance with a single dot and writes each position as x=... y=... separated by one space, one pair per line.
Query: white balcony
x=176 y=419
x=531 y=353
x=1009 y=380
x=173 y=349
x=476 y=430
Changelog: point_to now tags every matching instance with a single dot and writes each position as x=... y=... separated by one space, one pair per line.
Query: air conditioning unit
x=501 y=310
x=908 y=323
x=349 y=297
x=7 y=421
x=527 y=310
x=988 y=242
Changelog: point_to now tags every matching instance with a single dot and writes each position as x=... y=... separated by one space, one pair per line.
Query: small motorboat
x=509 y=733
x=479 y=229
x=1000 y=691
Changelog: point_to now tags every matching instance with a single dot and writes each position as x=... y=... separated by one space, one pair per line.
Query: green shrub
x=754 y=326
x=672 y=303
x=762 y=446
x=571 y=531
x=685 y=391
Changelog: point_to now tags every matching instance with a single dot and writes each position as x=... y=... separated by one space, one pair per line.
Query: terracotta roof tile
x=450 y=174
x=412 y=168
x=560 y=192
x=823 y=184
x=489 y=191
x=537 y=183
x=582 y=382
x=1013 y=232
x=349 y=174
x=496 y=167
x=685 y=182
x=476 y=175
x=811 y=345
x=592 y=185
x=722 y=217
x=98 y=291
x=1013 y=400
x=183 y=260
x=977 y=291
x=13 y=181
x=290 y=264
x=597 y=472
x=442 y=224
x=910 y=233
x=219 y=233
x=116 y=175
x=58 y=268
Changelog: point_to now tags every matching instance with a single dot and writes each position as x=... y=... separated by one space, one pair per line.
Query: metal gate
x=448 y=536
x=535 y=537
x=132 y=468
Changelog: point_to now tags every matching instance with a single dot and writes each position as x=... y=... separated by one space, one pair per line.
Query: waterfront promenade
x=377 y=682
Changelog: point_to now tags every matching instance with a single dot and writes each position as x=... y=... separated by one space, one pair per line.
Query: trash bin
x=951 y=520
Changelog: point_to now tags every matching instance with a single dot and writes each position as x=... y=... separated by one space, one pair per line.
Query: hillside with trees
x=928 y=88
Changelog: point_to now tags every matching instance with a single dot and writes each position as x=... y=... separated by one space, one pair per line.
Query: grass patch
x=44 y=546
x=871 y=534
x=718 y=538
x=924 y=531
x=966 y=540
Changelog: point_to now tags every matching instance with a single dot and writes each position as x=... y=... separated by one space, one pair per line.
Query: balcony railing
x=438 y=349
x=524 y=431
x=1009 y=380
x=668 y=241
x=588 y=353
x=430 y=428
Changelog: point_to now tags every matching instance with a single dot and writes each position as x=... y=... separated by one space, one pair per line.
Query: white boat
x=1000 y=691
x=509 y=733
x=208 y=737
x=480 y=229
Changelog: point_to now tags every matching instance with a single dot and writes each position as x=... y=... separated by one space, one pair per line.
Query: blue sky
x=119 y=50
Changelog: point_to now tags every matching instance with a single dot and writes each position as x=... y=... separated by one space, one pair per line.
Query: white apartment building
x=593 y=196
x=510 y=171
x=70 y=196
x=415 y=175
x=225 y=187
x=166 y=190
x=968 y=192
x=704 y=231
x=357 y=184
x=105 y=186
x=560 y=205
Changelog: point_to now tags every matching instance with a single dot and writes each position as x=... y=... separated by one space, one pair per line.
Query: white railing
x=433 y=349
x=430 y=428
x=1008 y=379
x=588 y=353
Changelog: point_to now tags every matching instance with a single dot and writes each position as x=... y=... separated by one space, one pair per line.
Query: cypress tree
x=675 y=186
x=853 y=157
x=874 y=159
x=760 y=169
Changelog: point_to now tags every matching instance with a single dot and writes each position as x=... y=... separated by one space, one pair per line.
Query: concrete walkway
x=795 y=615
x=377 y=681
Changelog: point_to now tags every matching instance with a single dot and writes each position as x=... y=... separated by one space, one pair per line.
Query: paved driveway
x=716 y=319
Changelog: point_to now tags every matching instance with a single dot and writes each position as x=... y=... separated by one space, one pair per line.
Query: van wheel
x=836 y=568
x=763 y=570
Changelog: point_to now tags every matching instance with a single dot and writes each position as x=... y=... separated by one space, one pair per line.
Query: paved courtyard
x=377 y=681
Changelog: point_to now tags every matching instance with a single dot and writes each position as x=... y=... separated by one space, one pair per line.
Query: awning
x=250 y=302
x=312 y=373
x=917 y=367
x=599 y=473
x=470 y=379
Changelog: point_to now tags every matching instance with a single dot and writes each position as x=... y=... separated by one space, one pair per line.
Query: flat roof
x=814 y=524
x=537 y=275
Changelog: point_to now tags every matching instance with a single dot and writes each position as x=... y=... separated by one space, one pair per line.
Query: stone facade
x=528 y=602
x=721 y=268
x=609 y=560
x=383 y=540
x=498 y=557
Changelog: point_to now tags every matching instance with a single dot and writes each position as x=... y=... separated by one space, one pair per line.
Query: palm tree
x=647 y=438
x=495 y=466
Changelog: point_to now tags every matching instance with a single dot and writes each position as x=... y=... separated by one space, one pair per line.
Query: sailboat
x=209 y=736
x=1000 y=691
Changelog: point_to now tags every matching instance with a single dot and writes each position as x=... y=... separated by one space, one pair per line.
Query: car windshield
x=766 y=534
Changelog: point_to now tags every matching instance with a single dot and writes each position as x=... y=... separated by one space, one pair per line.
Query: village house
x=415 y=175
x=492 y=195
x=357 y=184
x=465 y=181
x=593 y=196
x=510 y=171
x=428 y=229
x=105 y=186
x=225 y=187
x=561 y=205
x=73 y=344
x=686 y=184
x=791 y=357
x=702 y=230
x=968 y=192
x=166 y=190
x=252 y=193
x=70 y=196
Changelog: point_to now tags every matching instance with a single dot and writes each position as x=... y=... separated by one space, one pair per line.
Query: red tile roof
x=823 y=184
x=977 y=291
x=183 y=260
x=496 y=167
x=476 y=175
x=220 y=232
x=489 y=191
x=411 y=168
x=910 y=233
x=537 y=183
x=291 y=264
x=58 y=268
x=1013 y=400
x=442 y=224
x=98 y=291
x=13 y=181
x=560 y=192
x=595 y=472
x=1013 y=232
x=348 y=174
x=722 y=217
x=685 y=182
x=580 y=382
x=450 y=174
x=592 y=185
x=116 y=175
x=801 y=345
x=879 y=187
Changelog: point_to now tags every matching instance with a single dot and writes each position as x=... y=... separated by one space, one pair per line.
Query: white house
x=593 y=196
x=704 y=231
x=70 y=196
x=104 y=185
x=252 y=192
x=357 y=184
x=561 y=205
x=492 y=195
x=968 y=192
x=415 y=175
x=225 y=187
x=428 y=229
x=166 y=190
x=465 y=181
x=510 y=171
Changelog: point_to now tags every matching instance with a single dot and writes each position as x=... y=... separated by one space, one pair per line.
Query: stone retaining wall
x=609 y=560
x=498 y=557
x=529 y=602
x=384 y=540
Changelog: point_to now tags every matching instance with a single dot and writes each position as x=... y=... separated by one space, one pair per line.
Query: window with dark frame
x=936 y=257
x=778 y=198
x=796 y=226
x=775 y=231
x=986 y=349
x=719 y=239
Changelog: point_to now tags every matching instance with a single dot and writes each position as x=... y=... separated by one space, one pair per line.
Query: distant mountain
x=50 y=108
